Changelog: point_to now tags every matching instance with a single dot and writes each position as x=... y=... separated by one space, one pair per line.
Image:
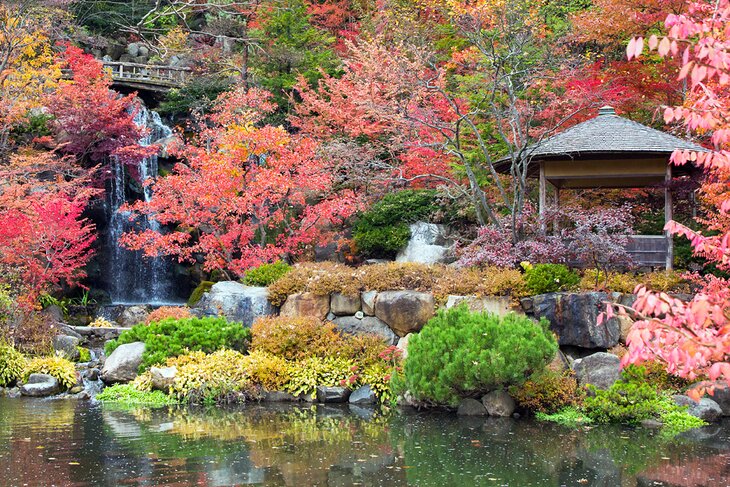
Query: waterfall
x=136 y=279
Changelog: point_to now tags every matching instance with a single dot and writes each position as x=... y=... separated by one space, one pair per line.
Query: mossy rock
x=198 y=292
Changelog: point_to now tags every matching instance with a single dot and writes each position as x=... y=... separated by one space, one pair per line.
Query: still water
x=70 y=443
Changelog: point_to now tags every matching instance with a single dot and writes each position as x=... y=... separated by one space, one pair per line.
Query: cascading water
x=137 y=279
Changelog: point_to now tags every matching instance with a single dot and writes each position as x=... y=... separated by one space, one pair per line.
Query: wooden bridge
x=148 y=77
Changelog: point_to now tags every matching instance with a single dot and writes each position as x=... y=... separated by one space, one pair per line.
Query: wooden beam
x=542 y=200
x=556 y=204
x=668 y=216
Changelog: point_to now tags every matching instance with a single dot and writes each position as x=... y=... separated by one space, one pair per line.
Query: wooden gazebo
x=609 y=152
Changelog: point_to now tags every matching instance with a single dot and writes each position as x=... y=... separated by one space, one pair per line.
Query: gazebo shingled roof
x=609 y=151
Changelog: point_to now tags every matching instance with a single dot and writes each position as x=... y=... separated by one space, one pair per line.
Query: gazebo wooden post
x=542 y=198
x=556 y=204
x=668 y=216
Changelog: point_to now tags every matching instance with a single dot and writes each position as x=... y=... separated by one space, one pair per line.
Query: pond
x=70 y=443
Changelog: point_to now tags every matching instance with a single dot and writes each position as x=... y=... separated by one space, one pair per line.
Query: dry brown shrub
x=295 y=338
x=164 y=312
x=394 y=276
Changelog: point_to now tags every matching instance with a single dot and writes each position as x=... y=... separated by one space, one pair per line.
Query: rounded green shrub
x=383 y=230
x=266 y=274
x=12 y=364
x=171 y=337
x=198 y=292
x=460 y=354
x=549 y=278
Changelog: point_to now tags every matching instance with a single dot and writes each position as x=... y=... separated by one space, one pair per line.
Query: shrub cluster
x=295 y=338
x=165 y=312
x=129 y=395
x=266 y=274
x=660 y=281
x=12 y=364
x=170 y=337
x=547 y=391
x=549 y=278
x=58 y=367
x=461 y=354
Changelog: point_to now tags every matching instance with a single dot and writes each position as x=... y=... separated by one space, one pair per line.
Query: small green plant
x=266 y=274
x=463 y=354
x=58 y=367
x=12 y=364
x=677 y=421
x=549 y=278
x=170 y=338
x=84 y=354
x=383 y=230
x=126 y=394
x=570 y=416
x=198 y=292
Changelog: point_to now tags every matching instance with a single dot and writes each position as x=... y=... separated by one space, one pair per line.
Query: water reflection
x=62 y=442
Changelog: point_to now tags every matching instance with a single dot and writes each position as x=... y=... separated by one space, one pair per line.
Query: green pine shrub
x=266 y=274
x=383 y=230
x=84 y=355
x=460 y=354
x=198 y=292
x=12 y=364
x=549 y=278
x=569 y=416
x=170 y=338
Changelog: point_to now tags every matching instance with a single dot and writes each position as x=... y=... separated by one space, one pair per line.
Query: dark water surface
x=70 y=443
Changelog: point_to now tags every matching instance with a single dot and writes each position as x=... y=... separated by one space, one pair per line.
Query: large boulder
x=367 y=324
x=499 y=403
x=343 y=305
x=133 y=315
x=306 y=304
x=707 y=409
x=499 y=305
x=574 y=318
x=471 y=407
x=429 y=244
x=363 y=395
x=40 y=385
x=721 y=395
x=404 y=311
x=239 y=303
x=66 y=346
x=123 y=364
x=599 y=369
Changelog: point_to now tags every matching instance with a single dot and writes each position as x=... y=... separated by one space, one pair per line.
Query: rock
x=651 y=424
x=84 y=395
x=499 y=403
x=721 y=395
x=332 y=394
x=66 y=346
x=404 y=311
x=363 y=395
x=707 y=409
x=376 y=261
x=122 y=364
x=471 y=407
x=403 y=345
x=306 y=304
x=143 y=51
x=368 y=302
x=115 y=51
x=624 y=323
x=368 y=324
x=54 y=313
x=429 y=244
x=278 y=396
x=125 y=58
x=163 y=378
x=133 y=315
x=76 y=389
x=239 y=303
x=133 y=49
x=92 y=375
x=40 y=385
x=600 y=369
x=499 y=305
x=343 y=305
x=573 y=317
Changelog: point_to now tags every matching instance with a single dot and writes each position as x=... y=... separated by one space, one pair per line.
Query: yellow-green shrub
x=660 y=281
x=12 y=364
x=378 y=376
x=309 y=373
x=218 y=377
x=365 y=349
x=57 y=367
x=267 y=370
x=294 y=338
x=547 y=391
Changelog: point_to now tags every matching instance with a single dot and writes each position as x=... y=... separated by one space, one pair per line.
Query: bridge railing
x=147 y=73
